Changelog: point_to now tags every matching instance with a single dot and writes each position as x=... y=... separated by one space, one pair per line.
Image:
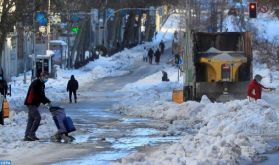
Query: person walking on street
x=72 y=87
x=35 y=96
x=150 y=55
x=157 y=56
x=162 y=47
x=145 y=55
x=255 y=88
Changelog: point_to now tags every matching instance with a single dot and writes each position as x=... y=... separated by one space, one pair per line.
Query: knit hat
x=258 y=78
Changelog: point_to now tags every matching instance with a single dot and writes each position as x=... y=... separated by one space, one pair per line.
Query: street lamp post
x=33 y=44
x=26 y=52
x=48 y=26
x=68 y=40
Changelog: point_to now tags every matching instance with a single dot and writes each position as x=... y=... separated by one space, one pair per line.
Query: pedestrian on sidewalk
x=35 y=96
x=145 y=55
x=157 y=56
x=162 y=47
x=3 y=86
x=255 y=88
x=72 y=88
x=150 y=55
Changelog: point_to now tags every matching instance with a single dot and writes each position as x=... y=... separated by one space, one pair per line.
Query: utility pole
x=105 y=26
x=26 y=51
x=48 y=26
x=33 y=43
x=68 y=40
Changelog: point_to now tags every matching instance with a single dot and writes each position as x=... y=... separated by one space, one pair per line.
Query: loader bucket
x=215 y=90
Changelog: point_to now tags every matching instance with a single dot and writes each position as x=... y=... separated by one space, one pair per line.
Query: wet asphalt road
x=115 y=135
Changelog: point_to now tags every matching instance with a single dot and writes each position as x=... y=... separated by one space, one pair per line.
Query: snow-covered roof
x=224 y=57
x=228 y=57
x=48 y=54
x=213 y=50
x=60 y=42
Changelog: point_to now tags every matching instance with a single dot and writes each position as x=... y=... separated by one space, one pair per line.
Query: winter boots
x=62 y=138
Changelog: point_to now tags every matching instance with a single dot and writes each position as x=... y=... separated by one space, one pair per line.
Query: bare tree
x=6 y=22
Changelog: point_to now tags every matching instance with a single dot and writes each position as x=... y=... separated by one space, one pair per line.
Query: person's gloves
x=271 y=89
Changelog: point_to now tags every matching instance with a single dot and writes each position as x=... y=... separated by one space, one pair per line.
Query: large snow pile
x=230 y=133
x=12 y=133
x=217 y=133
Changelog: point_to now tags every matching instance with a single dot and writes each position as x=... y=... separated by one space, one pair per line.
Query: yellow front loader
x=218 y=65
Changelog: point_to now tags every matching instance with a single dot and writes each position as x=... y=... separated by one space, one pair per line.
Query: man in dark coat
x=157 y=56
x=72 y=87
x=150 y=55
x=3 y=91
x=162 y=47
x=35 y=96
x=3 y=86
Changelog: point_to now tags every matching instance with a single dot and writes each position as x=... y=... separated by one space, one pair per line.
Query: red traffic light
x=253 y=10
x=252 y=6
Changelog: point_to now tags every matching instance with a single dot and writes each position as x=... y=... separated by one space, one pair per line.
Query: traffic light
x=253 y=10
x=75 y=29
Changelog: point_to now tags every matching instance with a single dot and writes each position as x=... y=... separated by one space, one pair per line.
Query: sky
x=213 y=133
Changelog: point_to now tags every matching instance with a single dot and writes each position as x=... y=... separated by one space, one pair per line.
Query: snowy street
x=101 y=132
x=117 y=134
x=125 y=113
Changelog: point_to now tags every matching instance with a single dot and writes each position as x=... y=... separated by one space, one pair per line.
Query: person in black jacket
x=35 y=96
x=3 y=86
x=165 y=76
x=72 y=87
x=157 y=56
x=150 y=55
x=162 y=47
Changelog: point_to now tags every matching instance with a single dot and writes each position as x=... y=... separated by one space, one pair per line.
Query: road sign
x=75 y=18
x=263 y=8
x=41 y=18
x=110 y=12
